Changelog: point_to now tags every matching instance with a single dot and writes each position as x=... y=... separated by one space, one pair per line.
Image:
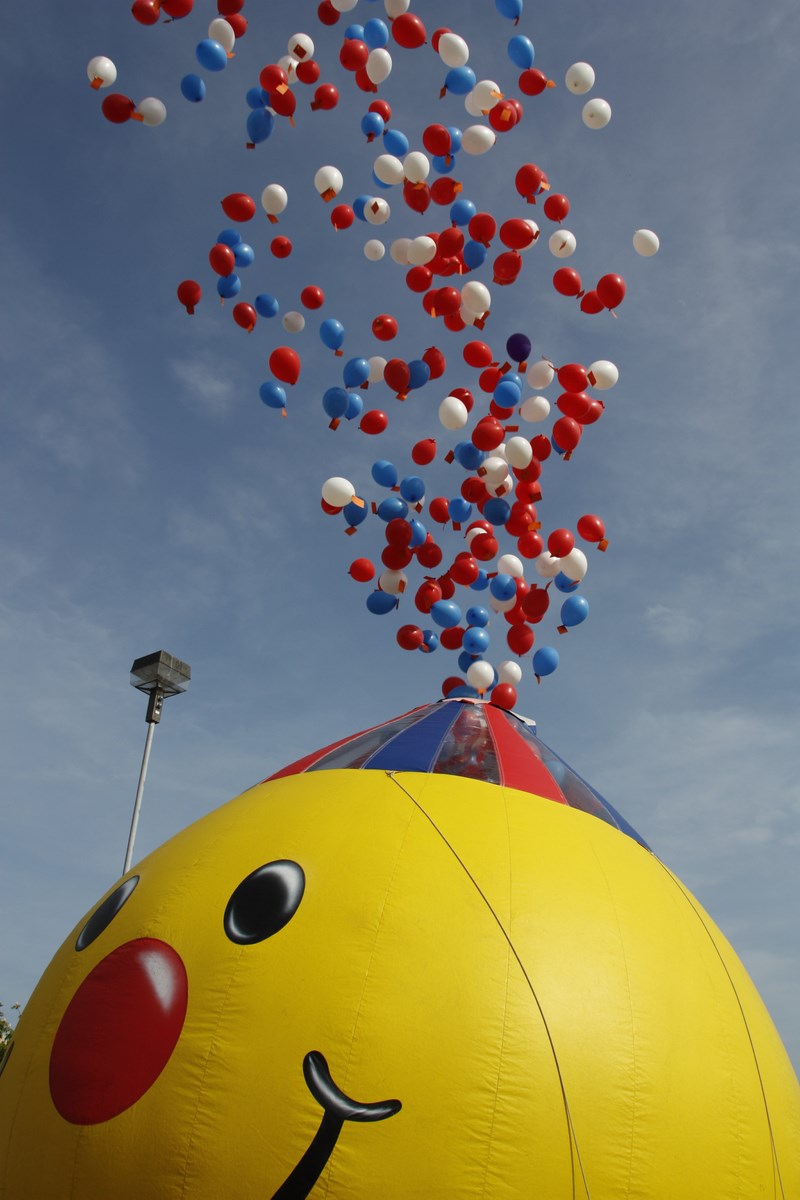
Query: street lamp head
x=159 y=675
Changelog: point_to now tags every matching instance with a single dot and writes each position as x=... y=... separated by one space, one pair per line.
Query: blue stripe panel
x=416 y=748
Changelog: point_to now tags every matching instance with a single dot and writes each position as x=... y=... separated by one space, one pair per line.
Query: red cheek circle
x=118 y=1031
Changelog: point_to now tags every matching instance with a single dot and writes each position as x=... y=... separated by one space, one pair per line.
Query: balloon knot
x=551 y=83
x=96 y=82
x=273 y=220
x=603 y=545
x=562 y=629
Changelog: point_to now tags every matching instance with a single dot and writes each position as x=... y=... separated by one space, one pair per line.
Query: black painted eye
x=264 y=902
x=104 y=915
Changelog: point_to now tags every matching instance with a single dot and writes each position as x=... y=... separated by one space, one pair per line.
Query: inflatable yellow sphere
x=391 y=984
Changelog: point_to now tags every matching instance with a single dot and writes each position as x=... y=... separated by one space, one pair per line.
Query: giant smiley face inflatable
x=427 y=963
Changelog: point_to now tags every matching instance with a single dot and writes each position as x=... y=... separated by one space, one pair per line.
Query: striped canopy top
x=471 y=738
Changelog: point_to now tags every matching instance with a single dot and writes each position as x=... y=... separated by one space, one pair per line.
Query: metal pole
x=137 y=805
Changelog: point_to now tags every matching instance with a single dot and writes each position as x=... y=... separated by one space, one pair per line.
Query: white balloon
x=547 y=566
x=453 y=413
x=501 y=487
x=274 y=199
x=509 y=672
x=509 y=564
x=399 y=251
x=519 y=451
x=288 y=65
x=377 y=211
x=337 y=491
x=329 y=182
x=472 y=105
x=486 y=93
x=580 y=78
x=421 y=251
x=540 y=374
x=374 y=250
x=300 y=46
x=469 y=318
x=574 y=565
x=388 y=168
x=344 y=5
x=646 y=243
x=377 y=366
x=152 y=111
x=503 y=605
x=494 y=470
x=562 y=243
x=480 y=674
x=416 y=167
x=603 y=374
x=478 y=139
x=294 y=322
x=222 y=31
x=393 y=582
x=472 y=533
x=476 y=297
x=396 y=8
x=379 y=65
x=453 y=50
x=101 y=71
x=535 y=408
x=596 y=113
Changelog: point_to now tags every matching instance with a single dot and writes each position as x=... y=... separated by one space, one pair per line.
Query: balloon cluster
x=450 y=272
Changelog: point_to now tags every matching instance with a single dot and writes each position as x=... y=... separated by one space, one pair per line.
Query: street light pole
x=159 y=675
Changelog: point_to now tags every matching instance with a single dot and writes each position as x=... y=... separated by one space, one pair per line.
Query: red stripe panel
x=519 y=767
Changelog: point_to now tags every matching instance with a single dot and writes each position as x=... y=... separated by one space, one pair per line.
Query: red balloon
x=541 y=447
x=533 y=82
x=227 y=8
x=520 y=638
x=591 y=302
x=451 y=242
x=452 y=638
x=327 y=14
x=454 y=322
x=556 y=207
x=396 y=557
x=189 y=293
x=522 y=518
x=465 y=569
x=593 y=413
x=503 y=116
x=281 y=247
x=307 y=71
x=330 y=509
x=364 y=82
x=424 y=452
x=451 y=683
x=397 y=375
x=409 y=637
x=465 y=396
x=408 y=31
x=484 y=547
x=447 y=586
x=326 y=97
x=529 y=180
x=245 y=315
x=398 y=532
x=592 y=529
x=516 y=234
x=573 y=377
x=427 y=595
x=567 y=433
x=146 y=12
x=284 y=363
x=284 y=102
x=222 y=259
x=611 y=290
x=312 y=296
x=272 y=76
x=353 y=54
x=439 y=510
x=437 y=140
x=239 y=206
x=436 y=35
x=444 y=190
x=504 y=695
x=560 y=542
x=447 y=301
x=436 y=362
x=477 y=354
x=419 y=279
x=429 y=555
x=488 y=434
x=489 y=379
x=474 y=490
x=177 y=8
x=362 y=570
x=342 y=216
x=530 y=545
x=117 y=108
x=507 y=267
x=374 y=421
x=574 y=404
x=567 y=281
x=384 y=327
x=536 y=604
x=417 y=196
x=238 y=24
x=482 y=228
x=382 y=108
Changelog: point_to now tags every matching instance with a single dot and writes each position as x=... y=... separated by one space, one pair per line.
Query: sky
x=151 y=501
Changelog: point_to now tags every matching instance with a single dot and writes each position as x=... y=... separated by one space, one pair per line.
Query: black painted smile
x=338 y=1108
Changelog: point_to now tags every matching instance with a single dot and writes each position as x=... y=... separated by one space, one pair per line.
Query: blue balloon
x=465 y=661
x=379 y=183
x=481 y=583
x=359 y=204
x=545 y=661
x=381 y=603
x=229 y=237
x=443 y=164
x=469 y=456
x=331 y=333
x=430 y=642
x=211 y=55
x=446 y=613
x=259 y=125
x=272 y=394
x=455 y=138
x=385 y=473
x=266 y=305
x=193 y=88
x=476 y=641
x=515 y=378
x=509 y=8
x=418 y=533
x=392 y=507
x=372 y=125
x=507 y=394
x=464 y=691
x=521 y=52
x=518 y=347
x=474 y=254
x=354 y=514
x=459 y=509
x=355 y=406
x=412 y=489
x=229 y=286
x=574 y=610
x=462 y=211
x=565 y=584
x=497 y=510
x=245 y=255
x=478 y=616
x=354 y=33
x=503 y=587
x=419 y=373
x=460 y=80
x=334 y=402
x=255 y=97
x=376 y=33
x=355 y=372
x=395 y=142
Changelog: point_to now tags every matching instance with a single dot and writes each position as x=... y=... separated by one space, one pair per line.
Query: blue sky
x=150 y=500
